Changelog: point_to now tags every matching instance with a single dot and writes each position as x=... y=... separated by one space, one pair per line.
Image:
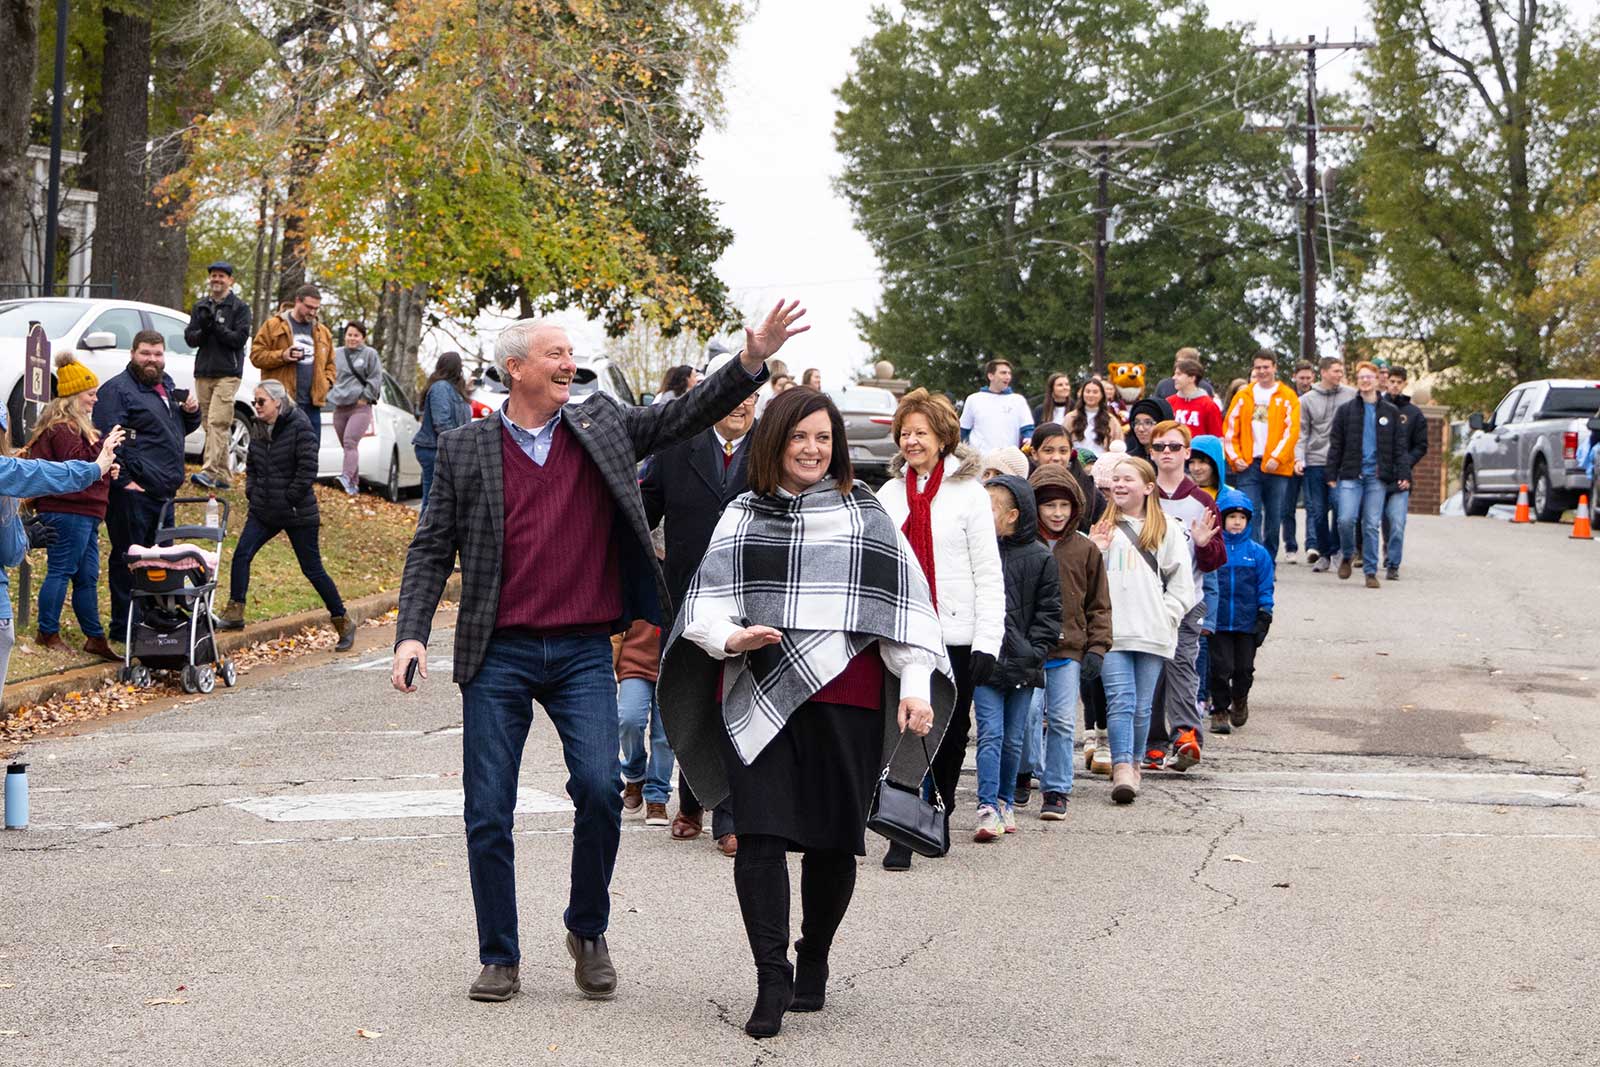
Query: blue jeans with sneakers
x=646 y=756
x=1061 y=701
x=1002 y=716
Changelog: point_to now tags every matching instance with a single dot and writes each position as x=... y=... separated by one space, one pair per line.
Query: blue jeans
x=425 y=460
x=1319 y=502
x=74 y=556
x=1033 y=739
x=650 y=763
x=1291 y=500
x=1361 y=499
x=1130 y=679
x=1002 y=716
x=313 y=413
x=572 y=678
x=1394 y=516
x=1061 y=698
x=1266 y=493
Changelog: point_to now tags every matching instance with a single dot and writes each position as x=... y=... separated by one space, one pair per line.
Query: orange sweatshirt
x=638 y=653
x=1283 y=430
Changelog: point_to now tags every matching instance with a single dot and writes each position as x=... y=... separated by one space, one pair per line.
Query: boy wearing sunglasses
x=1176 y=724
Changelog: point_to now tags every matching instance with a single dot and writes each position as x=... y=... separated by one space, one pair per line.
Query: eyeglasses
x=1166 y=446
x=259 y=402
x=1144 y=424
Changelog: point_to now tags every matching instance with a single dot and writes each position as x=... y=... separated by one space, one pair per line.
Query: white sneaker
x=1291 y=557
x=1090 y=739
x=1008 y=817
x=990 y=828
x=1102 y=757
x=1312 y=555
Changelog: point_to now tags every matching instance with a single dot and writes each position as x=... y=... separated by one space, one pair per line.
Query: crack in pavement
x=291 y=783
x=55 y=846
x=1216 y=843
x=849 y=980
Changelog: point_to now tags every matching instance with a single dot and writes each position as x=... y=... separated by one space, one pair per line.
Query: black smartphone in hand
x=411 y=673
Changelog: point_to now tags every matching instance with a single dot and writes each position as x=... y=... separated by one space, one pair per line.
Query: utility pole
x=1099 y=154
x=1312 y=198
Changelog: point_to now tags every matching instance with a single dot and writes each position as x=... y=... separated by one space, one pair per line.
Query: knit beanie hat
x=1115 y=453
x=1007 y=461
x=73 y=377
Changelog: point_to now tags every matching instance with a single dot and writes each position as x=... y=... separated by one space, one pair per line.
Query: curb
x=48 y=687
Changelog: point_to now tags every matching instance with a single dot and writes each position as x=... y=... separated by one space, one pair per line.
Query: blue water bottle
x=17 y=796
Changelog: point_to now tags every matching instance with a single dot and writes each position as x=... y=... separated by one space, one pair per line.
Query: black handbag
x=901 y=815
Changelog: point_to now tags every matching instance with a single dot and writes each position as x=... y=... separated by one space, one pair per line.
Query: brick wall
x=1430 y=478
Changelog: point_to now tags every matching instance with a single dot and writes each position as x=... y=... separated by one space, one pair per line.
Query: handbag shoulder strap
x=1149 y=556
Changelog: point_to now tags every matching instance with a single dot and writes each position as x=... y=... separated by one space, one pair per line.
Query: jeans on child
x=650 y=762
x=1061 y=701
x=1033 y=739
x=1130 y=680
x=1002 y=716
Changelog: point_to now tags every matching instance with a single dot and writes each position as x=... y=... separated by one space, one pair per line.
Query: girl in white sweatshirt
x=1152 y=587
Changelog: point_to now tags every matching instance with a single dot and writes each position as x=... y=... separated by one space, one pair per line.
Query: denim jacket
x=29 y=478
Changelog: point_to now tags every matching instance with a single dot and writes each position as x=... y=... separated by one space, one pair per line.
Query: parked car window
x=56 y=317
x=866 y=398
x=172 y=329
x=584 y=382
x=122 y=323
x=1570 y=402
x=1502 y=414
x=393 y=395
x=1524 y=402
x=620 y=384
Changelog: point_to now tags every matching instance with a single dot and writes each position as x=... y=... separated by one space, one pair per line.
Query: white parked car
x=386 y=457
x=100 y=333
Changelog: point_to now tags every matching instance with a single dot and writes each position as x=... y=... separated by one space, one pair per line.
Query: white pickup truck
x=1537 y=436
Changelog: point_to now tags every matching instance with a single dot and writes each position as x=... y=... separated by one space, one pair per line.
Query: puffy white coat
x=966 y=555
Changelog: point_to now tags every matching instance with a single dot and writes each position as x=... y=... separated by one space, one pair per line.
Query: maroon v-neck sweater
x=559 y=569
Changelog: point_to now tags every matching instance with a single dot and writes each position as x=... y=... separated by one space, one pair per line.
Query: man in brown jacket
x=1085 y=626
x=295 y=350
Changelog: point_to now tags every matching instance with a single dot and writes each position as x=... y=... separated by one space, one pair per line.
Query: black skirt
x=813 y=783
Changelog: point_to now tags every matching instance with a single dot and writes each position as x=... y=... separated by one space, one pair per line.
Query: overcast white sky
x=770 y=166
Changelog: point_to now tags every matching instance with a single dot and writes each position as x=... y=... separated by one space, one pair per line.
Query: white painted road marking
x=383 y=663
x=417 y=804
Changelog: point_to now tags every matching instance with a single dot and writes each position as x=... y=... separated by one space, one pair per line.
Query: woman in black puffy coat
x=279 y=476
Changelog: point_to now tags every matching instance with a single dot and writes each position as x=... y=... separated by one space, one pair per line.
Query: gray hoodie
x=1317 y=406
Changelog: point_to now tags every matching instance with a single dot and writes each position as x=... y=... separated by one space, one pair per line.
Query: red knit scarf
x=918 y=526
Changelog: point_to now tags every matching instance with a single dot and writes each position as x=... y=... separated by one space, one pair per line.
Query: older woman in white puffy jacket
x=938 y=502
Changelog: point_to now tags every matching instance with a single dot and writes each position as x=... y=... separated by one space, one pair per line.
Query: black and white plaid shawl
x=833 y=575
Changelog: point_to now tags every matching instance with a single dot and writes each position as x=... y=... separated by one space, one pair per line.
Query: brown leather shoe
x=655 y=814
x=496 y=982
x=729 y=845
x=686 y=827
x=1372 y=582
x=97 y=646
x=593 y=972
x=44 y=640
x=632 y=797
x=1347 y=566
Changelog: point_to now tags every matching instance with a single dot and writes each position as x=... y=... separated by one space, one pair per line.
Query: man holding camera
x=295 y=350
x=156 y=418
x=219 y=327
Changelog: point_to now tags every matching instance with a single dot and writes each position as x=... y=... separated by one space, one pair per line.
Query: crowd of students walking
x=1084 y=551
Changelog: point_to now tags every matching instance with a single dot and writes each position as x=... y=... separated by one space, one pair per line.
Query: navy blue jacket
x=153 y=456
x=1244 y=583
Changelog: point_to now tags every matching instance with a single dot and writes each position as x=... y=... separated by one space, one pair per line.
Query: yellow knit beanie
x=73 y=377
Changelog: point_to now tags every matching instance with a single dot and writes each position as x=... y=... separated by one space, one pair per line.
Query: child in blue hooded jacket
x=1209 y=471
x=1242 y=614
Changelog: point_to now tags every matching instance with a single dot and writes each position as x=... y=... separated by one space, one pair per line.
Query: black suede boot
x=827 y=882
x=761 y=880
x=898 y=858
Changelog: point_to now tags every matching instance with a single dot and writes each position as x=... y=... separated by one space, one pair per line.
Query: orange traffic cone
x=1580 y=524
x=1523 y=514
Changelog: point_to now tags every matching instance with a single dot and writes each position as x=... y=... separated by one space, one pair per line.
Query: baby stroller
x=170 y=627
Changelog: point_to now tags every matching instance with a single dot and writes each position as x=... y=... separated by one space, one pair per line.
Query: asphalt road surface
x=1394 y=863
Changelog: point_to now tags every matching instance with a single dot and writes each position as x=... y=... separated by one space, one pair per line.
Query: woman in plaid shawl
x=806 y=646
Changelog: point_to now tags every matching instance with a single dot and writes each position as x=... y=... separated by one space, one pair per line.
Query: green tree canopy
x=984 y=230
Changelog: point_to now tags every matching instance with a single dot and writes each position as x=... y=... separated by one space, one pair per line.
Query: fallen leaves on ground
x=370 y=1035
x=33 y=720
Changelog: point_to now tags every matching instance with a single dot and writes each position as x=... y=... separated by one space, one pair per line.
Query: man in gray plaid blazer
x=541 y=503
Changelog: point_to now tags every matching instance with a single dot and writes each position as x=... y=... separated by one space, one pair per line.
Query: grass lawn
x=363 y=544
